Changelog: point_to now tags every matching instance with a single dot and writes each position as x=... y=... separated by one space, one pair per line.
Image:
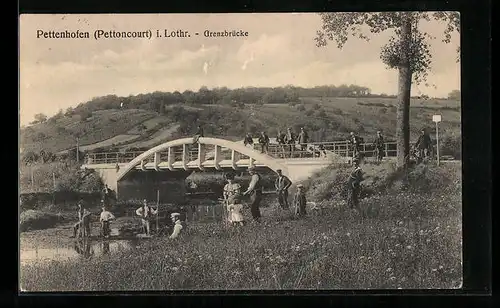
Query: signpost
x=437 y=118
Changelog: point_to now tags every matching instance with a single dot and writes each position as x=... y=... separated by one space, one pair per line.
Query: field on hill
x=326 y=118
x=60 y=134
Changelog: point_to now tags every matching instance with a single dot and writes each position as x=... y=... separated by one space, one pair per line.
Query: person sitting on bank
x=146 y=213
x=178 y=225
x=83 y=224
x=300 y=201
x=105 y=219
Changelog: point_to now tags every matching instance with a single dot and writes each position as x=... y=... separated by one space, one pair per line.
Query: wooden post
x=437 y=142
x=157 y=211
x=54 y=192
x=77 y=149
x=32 y=177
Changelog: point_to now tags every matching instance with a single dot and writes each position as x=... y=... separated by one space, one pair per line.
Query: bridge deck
x=296 y=152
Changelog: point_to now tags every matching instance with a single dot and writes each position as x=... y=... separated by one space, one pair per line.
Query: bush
x=451 y=145
x=36 y=220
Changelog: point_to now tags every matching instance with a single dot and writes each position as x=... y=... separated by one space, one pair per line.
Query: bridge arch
x=264 y=159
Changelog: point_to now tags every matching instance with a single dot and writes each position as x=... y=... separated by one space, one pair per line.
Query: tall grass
x=407 y=239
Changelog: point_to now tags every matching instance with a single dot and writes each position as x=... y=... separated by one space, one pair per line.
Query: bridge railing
x=311 y=150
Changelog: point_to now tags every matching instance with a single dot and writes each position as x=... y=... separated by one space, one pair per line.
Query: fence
x=288 y=151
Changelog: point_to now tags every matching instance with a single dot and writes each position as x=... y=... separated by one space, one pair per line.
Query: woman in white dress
x=232 y=197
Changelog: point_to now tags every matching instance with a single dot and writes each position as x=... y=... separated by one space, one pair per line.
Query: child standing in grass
x=235 y=208
x=299 y=201
x=232 y=197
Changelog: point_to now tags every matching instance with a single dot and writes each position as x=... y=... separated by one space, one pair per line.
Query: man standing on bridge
x=303 y=139
x=248 y=141
x=255 y=192
x=282 y=183
x=290 y=140
x=264 y=142
x=379 y=146
x=280 y=138
x=199 y=133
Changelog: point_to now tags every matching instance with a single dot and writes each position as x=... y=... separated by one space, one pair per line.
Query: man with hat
x=423 y=144
x=379 y=146
x=290 y=140
x=282 y=183
x=303 y=139
x=255 y=192
x=355 y=142
x=83 y=224
x=178 y=225
x=354 y=185
x=146 y=213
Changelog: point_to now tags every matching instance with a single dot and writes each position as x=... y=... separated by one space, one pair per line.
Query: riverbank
x=409 y=241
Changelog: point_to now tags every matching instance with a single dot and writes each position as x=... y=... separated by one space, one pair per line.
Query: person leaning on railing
x=199 y=133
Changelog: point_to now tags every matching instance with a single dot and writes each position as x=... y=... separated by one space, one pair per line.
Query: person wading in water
x=146 y=213
x=82 y=227
x=255 y=192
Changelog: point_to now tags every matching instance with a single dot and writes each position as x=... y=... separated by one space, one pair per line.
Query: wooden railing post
x=185 y=155
x=217 y=157
x=170 y=159
x=201 y=155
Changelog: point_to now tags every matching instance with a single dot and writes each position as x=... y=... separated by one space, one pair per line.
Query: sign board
x=436 y=118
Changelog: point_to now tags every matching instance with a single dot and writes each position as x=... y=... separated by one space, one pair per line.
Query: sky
x=279 y=50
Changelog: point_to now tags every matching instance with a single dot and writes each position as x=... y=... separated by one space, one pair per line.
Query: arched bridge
x=212 y=153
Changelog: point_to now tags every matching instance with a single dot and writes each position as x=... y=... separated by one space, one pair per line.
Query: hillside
x=326 y=118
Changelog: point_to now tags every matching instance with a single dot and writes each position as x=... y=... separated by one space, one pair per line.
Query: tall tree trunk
x=403 y=100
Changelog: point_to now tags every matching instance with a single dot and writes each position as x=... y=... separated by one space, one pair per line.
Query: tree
x=407 y=51
x=40 y=118
x=455 y=95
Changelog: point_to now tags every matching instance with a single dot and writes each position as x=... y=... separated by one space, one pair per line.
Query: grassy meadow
x=408 y=235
